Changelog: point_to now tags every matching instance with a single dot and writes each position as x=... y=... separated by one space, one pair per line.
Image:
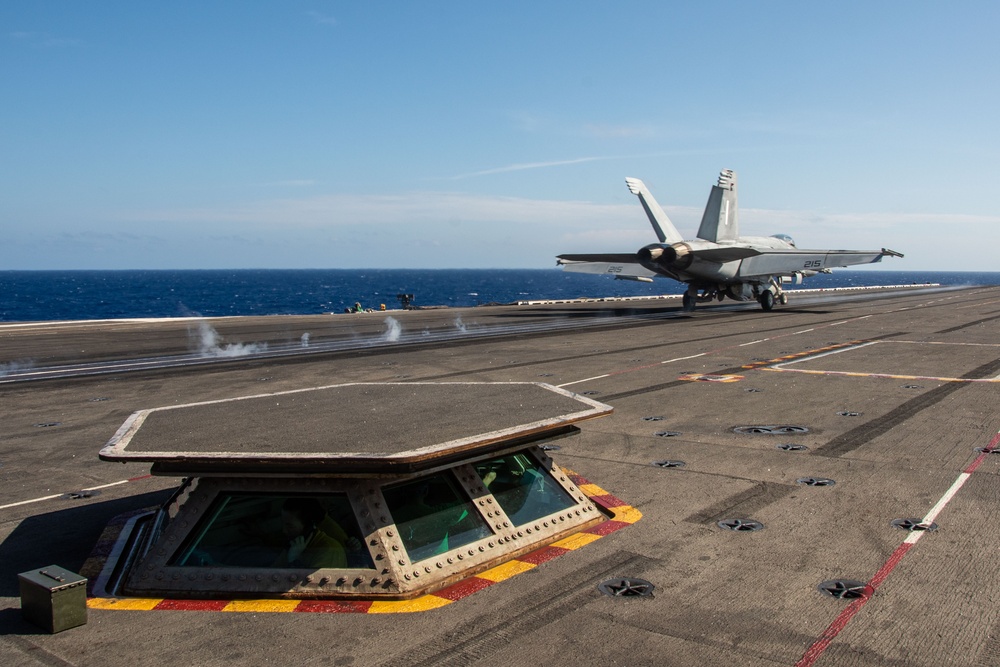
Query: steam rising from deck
x=14 y=366
x=207 y=340
x=392 y=331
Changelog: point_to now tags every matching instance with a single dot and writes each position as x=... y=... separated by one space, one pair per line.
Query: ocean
x=97 y=295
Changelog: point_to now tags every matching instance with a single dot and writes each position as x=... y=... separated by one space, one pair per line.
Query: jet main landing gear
x=766 y=300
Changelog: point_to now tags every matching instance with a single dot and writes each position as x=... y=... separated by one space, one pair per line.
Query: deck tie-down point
x=622 y=587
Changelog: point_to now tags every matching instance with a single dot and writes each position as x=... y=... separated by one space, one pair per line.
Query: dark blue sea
x=90 y=295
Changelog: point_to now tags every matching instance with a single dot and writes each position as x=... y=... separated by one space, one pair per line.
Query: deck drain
x=815 y=481
x=626 y=588
x=914 y=525
x=589 y=393
x=81 y=495
x=545 y=375
x=99 y=399
x=669 y=464
x=264 y=379
x=912 y=386
x=987 y=450
x=666 y=434
x=551 y=448
x=849 y=413
x=653 y=419
x=782 y=429
x=789 y=447
x=845 y=589
x=47 y=424
x=741 y=525
x=753 y=390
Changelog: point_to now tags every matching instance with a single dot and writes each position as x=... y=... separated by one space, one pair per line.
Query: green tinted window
x=432 y=516
x=264 y=530
x=523 y=488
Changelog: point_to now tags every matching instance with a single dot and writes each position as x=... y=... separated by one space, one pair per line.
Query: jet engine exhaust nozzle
x=677 y=256
x=658 y=254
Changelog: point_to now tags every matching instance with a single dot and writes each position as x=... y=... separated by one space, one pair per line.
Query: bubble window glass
x=433 y=516
x=525 y=490
x=276 y=531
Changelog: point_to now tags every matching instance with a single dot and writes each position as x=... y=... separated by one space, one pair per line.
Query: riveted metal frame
x=154 y=575
x=507 y=542
x=394 y=576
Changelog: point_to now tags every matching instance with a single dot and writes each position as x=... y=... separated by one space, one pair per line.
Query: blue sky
x=457 y=134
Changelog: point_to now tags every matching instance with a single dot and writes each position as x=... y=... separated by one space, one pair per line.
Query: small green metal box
x=53 y=598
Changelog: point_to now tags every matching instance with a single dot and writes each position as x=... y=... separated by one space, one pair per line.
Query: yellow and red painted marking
x=802 y=355
x=884 y=376
x=777 y=365
x=621 y=515
x=697 y=377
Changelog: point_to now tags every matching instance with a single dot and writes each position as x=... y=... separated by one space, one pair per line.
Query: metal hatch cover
x=347 y=427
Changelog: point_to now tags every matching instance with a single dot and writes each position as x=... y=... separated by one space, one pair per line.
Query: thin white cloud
x=321 y=18
x=528 y=165
x=42 y=39
x=522 y=166
x=410 y=209
x=619 y=131
x=291 y=183
x=531 y=228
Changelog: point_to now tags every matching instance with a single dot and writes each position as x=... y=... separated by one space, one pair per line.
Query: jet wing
x=726 y=253
x=785 y=262
x=625 y=265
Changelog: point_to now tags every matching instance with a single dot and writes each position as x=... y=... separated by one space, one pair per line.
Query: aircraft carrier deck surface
x=822 y=421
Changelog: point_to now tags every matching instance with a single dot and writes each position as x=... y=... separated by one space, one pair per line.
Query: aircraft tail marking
x=720 y=222
x=665 y=230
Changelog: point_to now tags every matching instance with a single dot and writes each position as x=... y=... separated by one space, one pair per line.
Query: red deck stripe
x=335 y=606
x=814 y=652
x=191 y=605
x=982 y=457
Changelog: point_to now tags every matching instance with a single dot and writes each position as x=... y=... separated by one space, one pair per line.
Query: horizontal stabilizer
x=613 y=257
x=624 y=266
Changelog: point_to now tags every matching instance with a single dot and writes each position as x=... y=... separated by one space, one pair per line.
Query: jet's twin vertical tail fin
x=720 y=222
x=665 y=230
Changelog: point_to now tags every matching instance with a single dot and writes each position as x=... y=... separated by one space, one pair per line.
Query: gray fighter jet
x=719 y=263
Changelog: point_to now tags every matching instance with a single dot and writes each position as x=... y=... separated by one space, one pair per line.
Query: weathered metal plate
x=331 y=427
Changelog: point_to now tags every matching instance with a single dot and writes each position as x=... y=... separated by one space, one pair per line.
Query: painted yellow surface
x=592 y=490
x=262 y=605
x=134 y=604
x=711 y=378
x=627 y=514
x=422 y=603
x=506 y=570
x=575 y=541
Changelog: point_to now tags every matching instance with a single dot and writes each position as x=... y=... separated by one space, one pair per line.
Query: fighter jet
x=719 y=263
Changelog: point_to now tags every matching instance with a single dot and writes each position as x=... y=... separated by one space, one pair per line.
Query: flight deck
x=816 y=483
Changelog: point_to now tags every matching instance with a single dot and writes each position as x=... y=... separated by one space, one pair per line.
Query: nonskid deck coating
x=720 y=597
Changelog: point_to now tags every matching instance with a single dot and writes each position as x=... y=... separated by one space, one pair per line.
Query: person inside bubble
x=307 y=544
